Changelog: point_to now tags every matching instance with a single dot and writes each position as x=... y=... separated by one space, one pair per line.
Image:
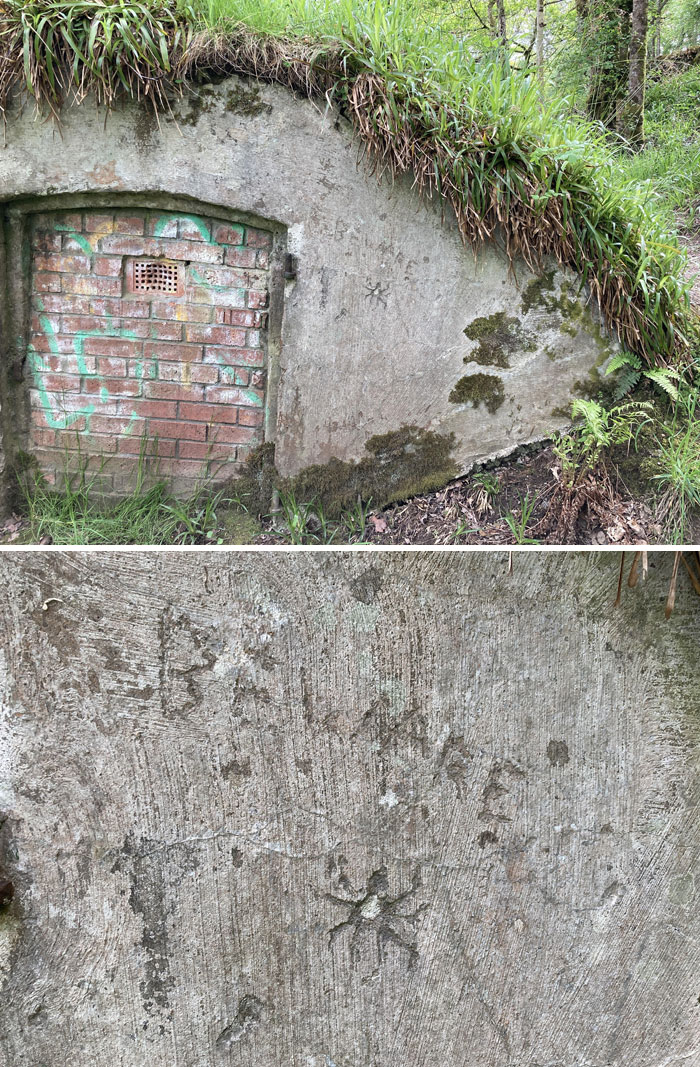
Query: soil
x=464 y=514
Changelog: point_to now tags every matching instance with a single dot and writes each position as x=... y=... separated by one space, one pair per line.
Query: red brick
x=173 y=391
x=39 y=322
x=101 y=442
x=113 y=425
x=234 y=375
x=225 y=394
x=165 y=331
x=112 y=368
x=135 y=309
x=258 y=238
x=241 y=257
x=253 y=339
x=47 y=283
x=91 y=286
x=227 y=233
x=262 y=260
x=47 y=241
x=110 y=266
x=207 y=412
x=72 y=221
x=216 y=335
x=185 y=467
x=121 y=245
x=158 y=409
x=43 y=344
x=64 y=264
x=82 y=323
x=114 y=386
x=203 y=372
x=170 y=372
x=233 y=434
x=257 y=298
x=190 y=431
x=76 y=305
x=131 y=445
x=166 y=229
x=99 y=222
x=173 y=309
x=130 y=224
x=75 y=247
x=250 y=417
x=162 y=350
x=233 y=317
x=246 y=357
x=40 y=436
x=61 y=383
x=105 y=306
x=112 y=346
x=189 y=231
x=204 y=450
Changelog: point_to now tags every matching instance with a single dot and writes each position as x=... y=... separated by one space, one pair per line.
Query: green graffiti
x=77 y=237
x=38 y=369
x=36 y=365
x=201 y=225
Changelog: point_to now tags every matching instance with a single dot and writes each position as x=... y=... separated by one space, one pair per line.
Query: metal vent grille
x=145 y=276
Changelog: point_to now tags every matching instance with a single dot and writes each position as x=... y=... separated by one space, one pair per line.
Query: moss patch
x=538 y=292
x=246 y=100
x=498 y=336
x=478 y=389
x=399 y=464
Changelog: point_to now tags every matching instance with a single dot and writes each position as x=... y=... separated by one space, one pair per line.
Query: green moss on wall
x=399 y=464
x=478 y=389
x=498 y=335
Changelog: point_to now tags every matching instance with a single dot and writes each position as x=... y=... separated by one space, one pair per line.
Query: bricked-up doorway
x=147 y=329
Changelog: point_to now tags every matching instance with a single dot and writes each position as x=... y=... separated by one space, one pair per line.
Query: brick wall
x=181 y=372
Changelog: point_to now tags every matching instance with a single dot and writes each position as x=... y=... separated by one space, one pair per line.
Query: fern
x=632 y=372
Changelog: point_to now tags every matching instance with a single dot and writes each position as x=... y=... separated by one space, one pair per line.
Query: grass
x=510 y=162
x=679 y=468
x=147 y=516
x=669 y=166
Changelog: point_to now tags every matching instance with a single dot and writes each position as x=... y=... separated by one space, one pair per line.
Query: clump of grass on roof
x=512 y=165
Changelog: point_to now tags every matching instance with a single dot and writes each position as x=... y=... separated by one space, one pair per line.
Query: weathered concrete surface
x=341 y=810
x=373 y=330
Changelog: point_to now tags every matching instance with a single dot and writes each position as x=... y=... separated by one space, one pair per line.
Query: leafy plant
x=103 y=46
x=595 y=430
x=665 y=378
x=517 y=524
x=305 y=523
x=679 y=467
x=355 y=520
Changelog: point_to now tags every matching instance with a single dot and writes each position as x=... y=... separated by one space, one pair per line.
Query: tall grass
x=512 y=165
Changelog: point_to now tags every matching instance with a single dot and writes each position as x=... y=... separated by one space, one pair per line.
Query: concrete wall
x=332 y=811
x=389 y=320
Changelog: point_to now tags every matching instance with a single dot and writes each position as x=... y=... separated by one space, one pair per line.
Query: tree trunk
x=539 y=38
x=632 y=116
x=346 y=810
x=502 y=27
x=608 y=26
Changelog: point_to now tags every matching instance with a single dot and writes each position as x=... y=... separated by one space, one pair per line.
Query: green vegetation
x=679 y=468
x=536 y=139
x=77 y=515
x=509 y=159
